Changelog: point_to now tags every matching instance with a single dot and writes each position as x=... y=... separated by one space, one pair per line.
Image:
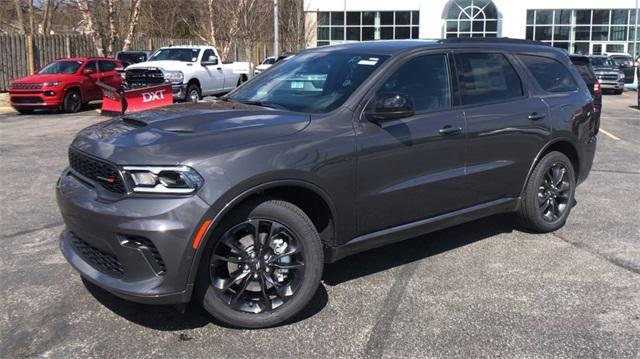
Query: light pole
x=276 y=35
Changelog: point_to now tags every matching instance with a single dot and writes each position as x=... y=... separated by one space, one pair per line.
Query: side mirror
x=389 y=106
x=212 y=60
x=87 y=71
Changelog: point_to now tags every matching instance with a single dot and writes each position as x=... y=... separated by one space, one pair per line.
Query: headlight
x=175 y=77
x=51 y=84
x=160 y=179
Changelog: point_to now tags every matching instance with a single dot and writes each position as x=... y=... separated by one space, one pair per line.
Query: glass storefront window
x=471 y=18
x=584 y=31
x=335 y=27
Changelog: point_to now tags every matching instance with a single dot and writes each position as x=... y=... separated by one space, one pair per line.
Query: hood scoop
x=135 y=122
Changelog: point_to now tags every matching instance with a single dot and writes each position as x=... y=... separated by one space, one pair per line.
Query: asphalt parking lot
x=484 y=289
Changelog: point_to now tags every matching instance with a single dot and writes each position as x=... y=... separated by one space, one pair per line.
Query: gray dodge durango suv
x=238 y=203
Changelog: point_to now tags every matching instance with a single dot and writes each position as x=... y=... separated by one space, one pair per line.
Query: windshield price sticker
x=297 y=85
x=371 y=62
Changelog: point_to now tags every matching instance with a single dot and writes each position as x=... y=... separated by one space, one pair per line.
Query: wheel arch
x=73 y=87
x=313 y=201
x=563 y=145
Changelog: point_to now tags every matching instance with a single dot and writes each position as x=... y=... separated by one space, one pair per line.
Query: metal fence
x=20 y=55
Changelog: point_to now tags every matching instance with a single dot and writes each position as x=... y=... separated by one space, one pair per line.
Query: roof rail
x=500 y=40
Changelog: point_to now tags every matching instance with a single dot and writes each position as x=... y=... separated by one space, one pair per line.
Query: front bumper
x=136 y=248
x=35 y=98
x=612 y=85
x=179 y=91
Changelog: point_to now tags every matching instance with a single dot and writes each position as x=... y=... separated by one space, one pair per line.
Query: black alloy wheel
x=257 y=266
x=549 y=194
x=72 y=101
x=554 y=193
x=262 y=264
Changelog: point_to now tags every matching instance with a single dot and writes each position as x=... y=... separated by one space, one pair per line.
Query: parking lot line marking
x=610 y=135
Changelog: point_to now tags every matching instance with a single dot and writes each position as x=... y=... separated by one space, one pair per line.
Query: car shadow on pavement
x=169 y=318
x=415 y=249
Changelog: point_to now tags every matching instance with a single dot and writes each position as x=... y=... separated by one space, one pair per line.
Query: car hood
x=185 y=133
x=263 y=66
x=165 y=65
x=40 y=78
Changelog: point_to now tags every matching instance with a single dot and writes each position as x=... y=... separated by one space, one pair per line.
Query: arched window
x=471 y=18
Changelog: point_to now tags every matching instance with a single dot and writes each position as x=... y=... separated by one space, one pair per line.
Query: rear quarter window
x=487 y=77
x=549 y=73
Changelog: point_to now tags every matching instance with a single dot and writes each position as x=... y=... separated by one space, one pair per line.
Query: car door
x=212 y=71
x=90 y=90
x=506 y=125
x=108 y=73
x=412 y=168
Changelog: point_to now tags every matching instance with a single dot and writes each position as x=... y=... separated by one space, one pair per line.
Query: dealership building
x=579 y=26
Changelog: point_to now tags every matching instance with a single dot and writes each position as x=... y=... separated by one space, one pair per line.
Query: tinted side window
x=207 y=54
x=487 y=78
x=106 y=66
x=550 y=74
x=586 y=72
x=92 y=66
x=425 y=79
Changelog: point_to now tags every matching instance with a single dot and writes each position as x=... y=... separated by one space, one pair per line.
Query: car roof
x=392 y=47
x=84 y=59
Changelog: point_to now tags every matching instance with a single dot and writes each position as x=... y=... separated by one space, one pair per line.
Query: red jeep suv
x=64 y=84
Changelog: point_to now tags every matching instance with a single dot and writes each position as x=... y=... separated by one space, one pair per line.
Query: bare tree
x=46 y=17
x=113 y=32
x=20 y=16
x=90 y=27
x=32 y=18
x=134 y=16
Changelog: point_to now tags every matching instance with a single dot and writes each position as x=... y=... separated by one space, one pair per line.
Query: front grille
x=611 y=77
x=103 y=173
x=26 y=100
x=105 y=262
x=27 y=86
x=136 y=78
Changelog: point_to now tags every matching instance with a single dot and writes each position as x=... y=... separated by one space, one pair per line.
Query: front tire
x=72 y=101
x=193 y=93
x=548 y=195
x=618 y=92
x=262 y=265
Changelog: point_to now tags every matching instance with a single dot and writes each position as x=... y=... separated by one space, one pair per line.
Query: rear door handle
x=536 y=116
x=449 y=130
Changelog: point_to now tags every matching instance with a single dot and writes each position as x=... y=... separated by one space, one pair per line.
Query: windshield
x=184 y=55
x=132 y=57
x=601 y=61
x=622 y=60
x=61 y=67
x=312 y=82
x=269 y=61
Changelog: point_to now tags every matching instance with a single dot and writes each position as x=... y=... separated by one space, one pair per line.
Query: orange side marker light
x=201 y=232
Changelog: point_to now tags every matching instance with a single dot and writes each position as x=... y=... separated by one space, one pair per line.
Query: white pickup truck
x=193 y=71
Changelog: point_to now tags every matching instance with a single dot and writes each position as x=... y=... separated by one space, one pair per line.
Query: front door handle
x=536 y=116
x=449 y=130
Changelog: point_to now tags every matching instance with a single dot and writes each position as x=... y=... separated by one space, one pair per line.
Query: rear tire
x=72 y=101
x=548 y=195
x=193 y=93
x=261 y=298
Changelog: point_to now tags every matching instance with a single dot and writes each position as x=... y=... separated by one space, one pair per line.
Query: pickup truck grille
x=608 y=77
x=103 y=173
x=136 y=78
